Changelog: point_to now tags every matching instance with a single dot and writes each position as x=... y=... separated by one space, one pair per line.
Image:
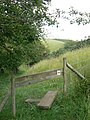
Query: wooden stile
x=50 y=96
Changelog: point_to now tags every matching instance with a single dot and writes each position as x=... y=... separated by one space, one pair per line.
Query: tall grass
x=74 y=58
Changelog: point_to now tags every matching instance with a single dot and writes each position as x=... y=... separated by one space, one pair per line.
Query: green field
x=53 y=45
x=72 y=107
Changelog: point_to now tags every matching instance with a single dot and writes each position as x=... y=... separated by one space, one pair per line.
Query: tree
x=21 y=23
x=32 y=54
x=79 y=17
x=74 y=16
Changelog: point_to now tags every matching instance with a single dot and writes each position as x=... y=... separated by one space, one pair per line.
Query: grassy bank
x=74 y=57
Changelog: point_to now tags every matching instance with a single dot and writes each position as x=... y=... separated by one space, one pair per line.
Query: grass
x=54 y=45
x=62 y=109
x=4 y=85
x=72 y=107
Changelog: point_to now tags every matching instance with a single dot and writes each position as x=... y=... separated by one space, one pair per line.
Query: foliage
x=21 y=23
x=36 y=52
x=74 y=16
x=79 y=17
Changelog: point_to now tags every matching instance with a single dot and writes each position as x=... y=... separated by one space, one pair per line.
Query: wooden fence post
x=13 y=95
x=64 y=76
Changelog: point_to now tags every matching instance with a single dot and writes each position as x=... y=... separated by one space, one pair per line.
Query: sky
x=65 y=29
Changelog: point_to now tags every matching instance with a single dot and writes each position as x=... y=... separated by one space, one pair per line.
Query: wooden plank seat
x=47 y=100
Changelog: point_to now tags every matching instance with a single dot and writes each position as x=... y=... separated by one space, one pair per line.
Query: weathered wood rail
x=35 y=78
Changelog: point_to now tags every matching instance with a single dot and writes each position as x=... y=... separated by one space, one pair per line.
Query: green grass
x=4 y=85
x=62 y=109
x=54 y=45
x=72 y=107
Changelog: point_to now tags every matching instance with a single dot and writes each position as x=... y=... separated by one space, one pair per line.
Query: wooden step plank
x=47 y=100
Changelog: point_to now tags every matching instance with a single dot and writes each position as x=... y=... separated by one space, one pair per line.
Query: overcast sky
x=65 y=29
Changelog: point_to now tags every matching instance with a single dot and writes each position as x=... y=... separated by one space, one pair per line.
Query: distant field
x=54 y=45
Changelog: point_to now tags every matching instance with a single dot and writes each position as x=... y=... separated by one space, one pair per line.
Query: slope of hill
x=54 y=63
x=53 y=45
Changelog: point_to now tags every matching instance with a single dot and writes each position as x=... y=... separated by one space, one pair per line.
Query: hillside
x=53 y=45
x=53 y=63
